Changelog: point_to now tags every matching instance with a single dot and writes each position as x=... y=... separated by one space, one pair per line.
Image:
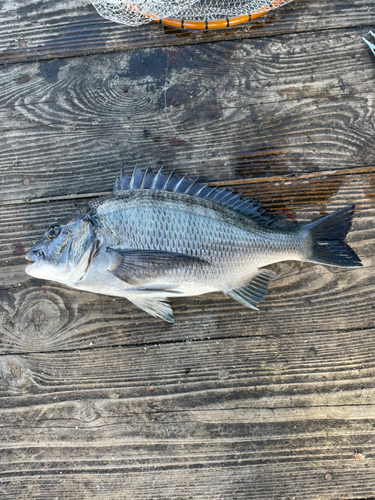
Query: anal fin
x=156 y=306
x=255 y=290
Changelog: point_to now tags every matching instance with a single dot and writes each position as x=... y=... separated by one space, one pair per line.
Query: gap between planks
x=236 y=182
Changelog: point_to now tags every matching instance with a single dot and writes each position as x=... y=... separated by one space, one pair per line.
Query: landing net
x=190 y=14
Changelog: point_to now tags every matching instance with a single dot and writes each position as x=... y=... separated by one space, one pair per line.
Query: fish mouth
x=30 y=256
x=29 y=269
x=34 y=255
x=35 y=258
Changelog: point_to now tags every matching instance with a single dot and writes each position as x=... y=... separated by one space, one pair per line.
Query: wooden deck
x=100 y=400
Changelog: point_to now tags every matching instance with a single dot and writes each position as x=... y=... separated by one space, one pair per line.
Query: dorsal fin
x=162 y=182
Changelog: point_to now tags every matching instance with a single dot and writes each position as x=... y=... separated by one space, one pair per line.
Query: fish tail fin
x=326 y=239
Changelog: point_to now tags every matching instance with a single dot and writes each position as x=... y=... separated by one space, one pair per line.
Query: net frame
x=142 y=14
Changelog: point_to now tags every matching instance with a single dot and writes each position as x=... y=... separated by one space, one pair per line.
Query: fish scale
x=180 y=227
x=160 y=236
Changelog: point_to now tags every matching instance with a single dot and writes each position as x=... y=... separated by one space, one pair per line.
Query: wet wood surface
x=50 y=29
x=100 y=400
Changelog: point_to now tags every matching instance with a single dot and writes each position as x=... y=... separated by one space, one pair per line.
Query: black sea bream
x=158 y=236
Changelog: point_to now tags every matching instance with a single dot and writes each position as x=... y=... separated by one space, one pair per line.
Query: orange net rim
x=211 y=24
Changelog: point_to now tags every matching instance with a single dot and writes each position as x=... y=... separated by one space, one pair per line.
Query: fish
x=159 y=236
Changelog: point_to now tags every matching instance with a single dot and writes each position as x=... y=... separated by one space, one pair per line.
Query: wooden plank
x=49 y=29
x=315 y=374
x=67 y=128
x=321 y=479
x=302 y=298
x=244 y=419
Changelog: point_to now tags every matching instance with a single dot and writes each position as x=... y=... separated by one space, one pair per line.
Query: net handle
x=212 y=24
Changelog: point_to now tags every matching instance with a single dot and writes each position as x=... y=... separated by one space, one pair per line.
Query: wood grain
x=66 y=127
x=286 y=371
x=212 y=415
x=327 y=480
x=50 y=29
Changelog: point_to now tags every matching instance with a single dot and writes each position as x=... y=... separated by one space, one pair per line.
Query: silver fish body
x=157 y=237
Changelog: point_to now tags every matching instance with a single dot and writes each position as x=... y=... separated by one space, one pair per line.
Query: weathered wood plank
x=320 y=479
x=68 y=125
x=226 y=409
x=303 y=297
x=50 y=29
x=292 y=370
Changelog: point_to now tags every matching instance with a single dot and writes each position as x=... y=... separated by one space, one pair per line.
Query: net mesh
x=136 y=12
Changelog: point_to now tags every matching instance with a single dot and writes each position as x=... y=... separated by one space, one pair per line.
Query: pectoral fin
x=255 y=290
x=156 y=306
x=136 y=267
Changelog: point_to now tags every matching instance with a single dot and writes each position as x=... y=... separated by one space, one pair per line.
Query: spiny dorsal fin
x=162 y=182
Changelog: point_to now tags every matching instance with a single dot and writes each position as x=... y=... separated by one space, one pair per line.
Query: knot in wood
x=12 y=372
x=87 y=412
x=38 y=316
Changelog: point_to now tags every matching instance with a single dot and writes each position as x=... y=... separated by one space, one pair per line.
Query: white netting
x=139 y=12
x=136 y=12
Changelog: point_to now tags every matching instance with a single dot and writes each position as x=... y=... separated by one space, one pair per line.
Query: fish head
x=58 y=253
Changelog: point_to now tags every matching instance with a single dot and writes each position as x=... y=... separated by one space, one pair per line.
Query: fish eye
x=53 y=232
